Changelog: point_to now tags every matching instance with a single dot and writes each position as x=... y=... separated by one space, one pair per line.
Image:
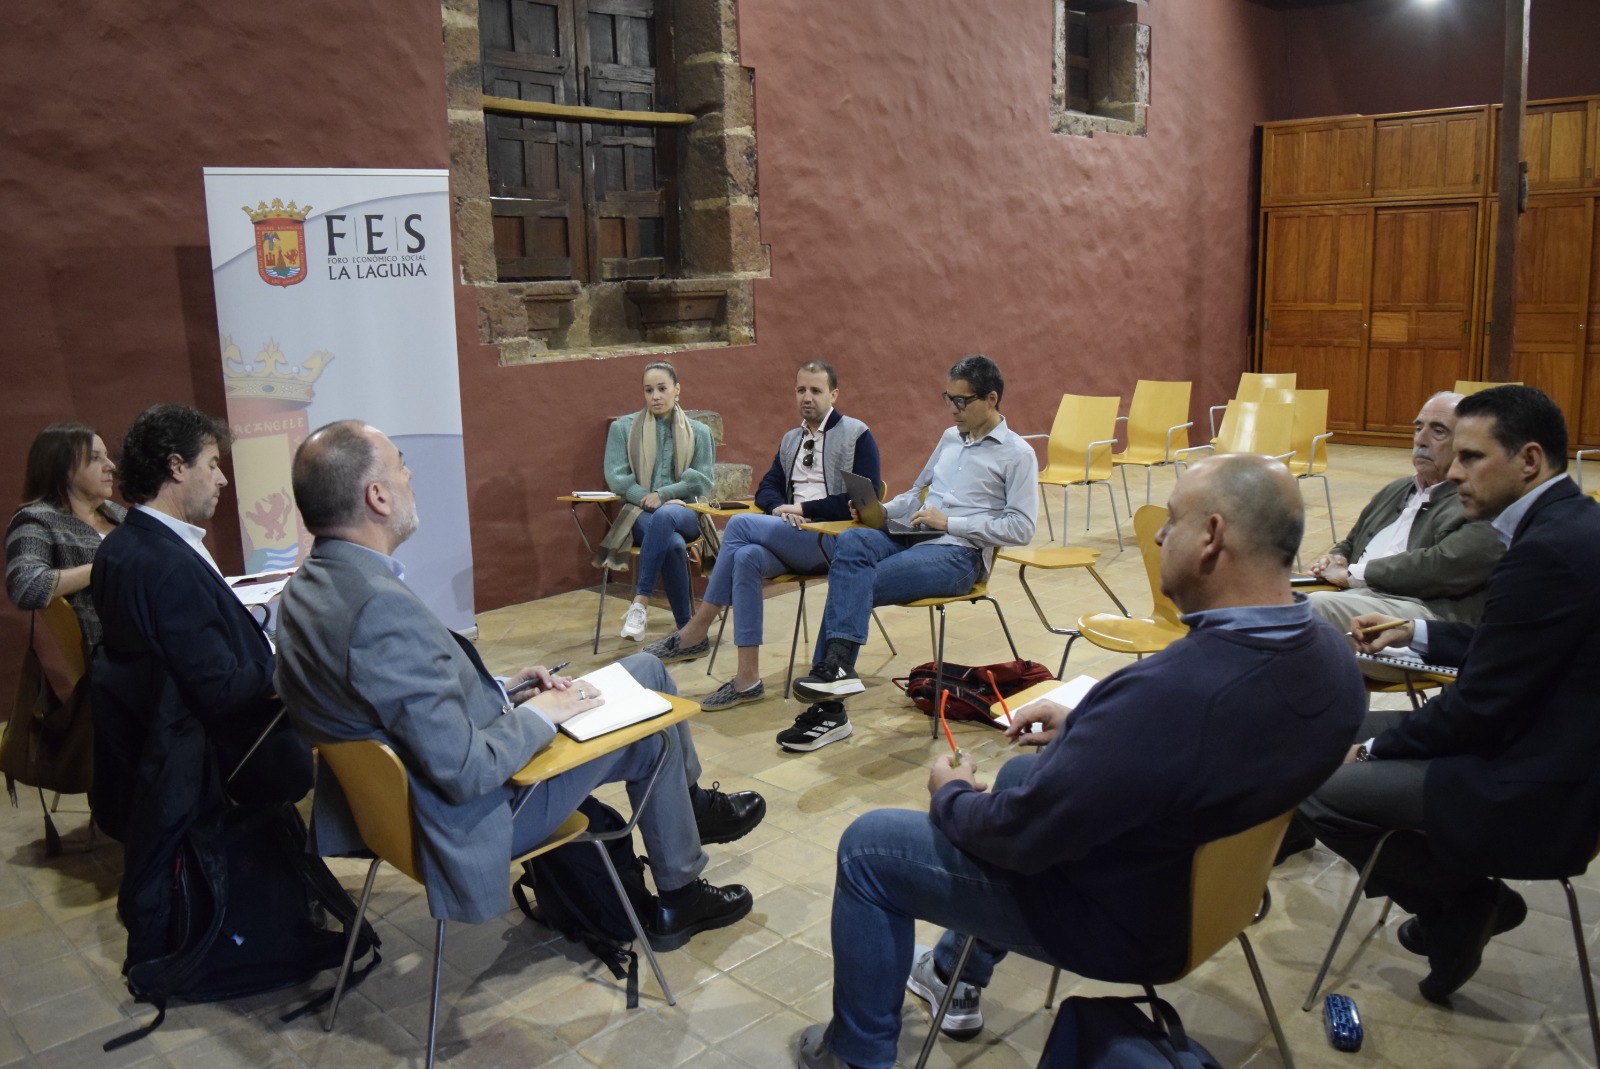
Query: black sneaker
x=714 y=907
x=829 y=683
x=723 y=818
x=813 y=729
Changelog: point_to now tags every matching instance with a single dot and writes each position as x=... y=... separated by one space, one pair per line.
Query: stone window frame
x=710 y=302
x=1119 y=69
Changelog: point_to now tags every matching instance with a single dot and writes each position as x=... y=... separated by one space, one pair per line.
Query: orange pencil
x=1004 y=708
x=943 y=695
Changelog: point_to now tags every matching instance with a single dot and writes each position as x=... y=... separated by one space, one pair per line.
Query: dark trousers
x=1360 y=802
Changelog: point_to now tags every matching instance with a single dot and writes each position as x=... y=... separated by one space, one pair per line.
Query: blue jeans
x=755 y=548
x=662 y=537
x=871 y=569
x=895 y=867
x=670 y=837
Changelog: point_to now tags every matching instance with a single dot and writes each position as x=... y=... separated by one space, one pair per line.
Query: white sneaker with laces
x=633 y=622
x=964 y=1018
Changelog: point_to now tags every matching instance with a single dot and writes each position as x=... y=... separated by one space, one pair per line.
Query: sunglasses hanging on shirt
x=810 y=445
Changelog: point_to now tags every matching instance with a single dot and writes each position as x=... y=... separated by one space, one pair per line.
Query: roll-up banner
x=334 y=301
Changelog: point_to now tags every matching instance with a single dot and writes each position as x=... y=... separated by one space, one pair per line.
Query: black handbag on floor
x=1114 y=1033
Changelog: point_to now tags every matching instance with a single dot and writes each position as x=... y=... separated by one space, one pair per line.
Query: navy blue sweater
x=1219 y=732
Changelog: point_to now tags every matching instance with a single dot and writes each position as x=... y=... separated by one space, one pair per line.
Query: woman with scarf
x=656 y=459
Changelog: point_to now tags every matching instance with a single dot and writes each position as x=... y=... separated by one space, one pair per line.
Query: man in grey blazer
x=360 y=656
x=1412 y=553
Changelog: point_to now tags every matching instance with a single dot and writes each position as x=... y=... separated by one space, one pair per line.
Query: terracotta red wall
x=916 y=206
x=1379 y=55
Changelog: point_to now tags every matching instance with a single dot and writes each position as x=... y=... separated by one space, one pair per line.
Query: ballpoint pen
x=956 y=750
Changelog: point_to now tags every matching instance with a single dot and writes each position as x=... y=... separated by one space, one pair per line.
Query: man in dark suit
x=1499 y=775
x=1412 y=553
x=182 y=679
x=1081 y=855
x=361 y=657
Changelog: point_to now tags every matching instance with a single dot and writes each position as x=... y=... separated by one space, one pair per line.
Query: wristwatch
x=1363 y=753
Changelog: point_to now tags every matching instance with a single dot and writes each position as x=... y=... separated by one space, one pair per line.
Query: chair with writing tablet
x=1252 y=385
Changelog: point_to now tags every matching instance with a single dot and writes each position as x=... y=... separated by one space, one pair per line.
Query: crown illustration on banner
x=278 y=210
x=269 y=373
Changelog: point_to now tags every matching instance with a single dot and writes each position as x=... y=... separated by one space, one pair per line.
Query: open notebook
x=627 y=702
x=1068 y=694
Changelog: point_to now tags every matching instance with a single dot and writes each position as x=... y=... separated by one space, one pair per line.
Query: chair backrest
x=1253 y=383
x=65 y=630
x=1079 y=421
x=1467 y=387
x=375 y=784
x=1265 y=427
x=1147 y=520
x=1226 y=882
x=1157 y=407
x=1310 y=420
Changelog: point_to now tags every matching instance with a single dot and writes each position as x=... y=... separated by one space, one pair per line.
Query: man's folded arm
x=1458 y=564
x=413 y=686
x=1532 y=627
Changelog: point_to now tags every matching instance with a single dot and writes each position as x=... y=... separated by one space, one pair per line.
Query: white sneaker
x=964 y=1018
x=633 y=622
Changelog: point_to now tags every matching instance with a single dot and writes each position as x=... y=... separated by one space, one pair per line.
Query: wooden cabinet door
x=1554 y=257
x=1555 y=144
x=1327 y=160
x=1315 y=304
x=1430 y=155
x=1586 y=429
x=1423 y=267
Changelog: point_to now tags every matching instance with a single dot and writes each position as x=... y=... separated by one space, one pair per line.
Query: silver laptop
x=864 y=496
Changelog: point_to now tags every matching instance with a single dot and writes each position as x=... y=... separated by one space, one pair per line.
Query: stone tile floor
x=516 y=996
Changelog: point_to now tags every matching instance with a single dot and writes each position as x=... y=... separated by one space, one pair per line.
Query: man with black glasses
x=979 y=490
x=803 y=484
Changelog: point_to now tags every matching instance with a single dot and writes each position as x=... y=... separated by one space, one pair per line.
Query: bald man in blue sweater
x=1080 y=855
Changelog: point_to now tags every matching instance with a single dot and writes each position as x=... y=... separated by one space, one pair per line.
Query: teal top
x=696 y=479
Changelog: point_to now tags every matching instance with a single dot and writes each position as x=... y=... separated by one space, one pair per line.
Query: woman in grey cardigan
x=66 y=511
x=656 y=459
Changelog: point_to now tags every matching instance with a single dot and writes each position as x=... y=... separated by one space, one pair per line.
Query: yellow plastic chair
x=1079 y=454
x=1137 y=635
x=1580 y=455
x=1265 y=427
x=1227 y=894
x=1252 y=385
x=1309 y=438
x=1468 y=387
x=691 y=555
x=1157 y=426
x=379 y=793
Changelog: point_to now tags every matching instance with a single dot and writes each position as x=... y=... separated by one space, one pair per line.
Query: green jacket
x=1448 y=557
x=695 y=481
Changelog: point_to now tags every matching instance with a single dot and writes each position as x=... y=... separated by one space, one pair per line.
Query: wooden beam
x=1512 y=182
x=573 y=113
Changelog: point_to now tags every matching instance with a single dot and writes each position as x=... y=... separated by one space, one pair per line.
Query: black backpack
x=576 y=898
x=247 y=897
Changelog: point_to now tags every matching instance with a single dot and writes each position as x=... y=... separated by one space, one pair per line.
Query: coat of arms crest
x=280 y=241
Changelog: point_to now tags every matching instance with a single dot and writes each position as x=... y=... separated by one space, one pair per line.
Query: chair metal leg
x=1112 y=500
x=1050 y=992
x=1004 y=628
x=600 y=610
x=1327 y=492
x=1044 y=507
x=1266 y=1001
x=1583 y=965
x=1072 y=636
x=884 y=631
x=433 y=1012
x=1126 y=499
x=722 y=625
x=944 y=1003
x=350 y=944
x=1066 y=502
x=1344 y=922
x=794 y=643
x=633 y=919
